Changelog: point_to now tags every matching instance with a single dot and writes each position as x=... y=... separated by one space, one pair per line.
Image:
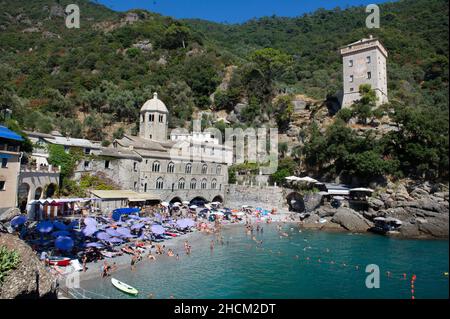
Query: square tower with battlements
x=364 y=62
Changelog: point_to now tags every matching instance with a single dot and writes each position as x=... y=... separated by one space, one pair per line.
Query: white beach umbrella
x=307 y=179
x=165 y=204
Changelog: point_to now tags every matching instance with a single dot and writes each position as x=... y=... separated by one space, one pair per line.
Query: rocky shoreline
x=422 y=208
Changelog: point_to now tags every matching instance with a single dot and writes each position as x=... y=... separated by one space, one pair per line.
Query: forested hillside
x=84 y=81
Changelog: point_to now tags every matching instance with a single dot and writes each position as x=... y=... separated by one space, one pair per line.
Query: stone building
x=364 y=62
x=10 y=168
x=186 y=167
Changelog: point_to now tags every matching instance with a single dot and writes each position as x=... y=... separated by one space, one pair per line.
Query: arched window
x=151 y=117
x=193 y=183
x=160 y=183
x=218 y=170
x=204 y=182
x=214 y=184
x=188 y=169
x=204 y=169
x=171 y=167
x=156 y=166
x=181 y=183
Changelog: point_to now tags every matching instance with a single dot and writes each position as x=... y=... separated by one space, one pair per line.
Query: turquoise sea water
x=279 y=267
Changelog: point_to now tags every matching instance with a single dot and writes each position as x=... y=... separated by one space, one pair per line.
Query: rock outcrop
x=423 y=210
x=351 y=220
x=30 y=279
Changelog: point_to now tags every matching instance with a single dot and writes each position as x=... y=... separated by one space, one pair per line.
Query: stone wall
x=265 y=197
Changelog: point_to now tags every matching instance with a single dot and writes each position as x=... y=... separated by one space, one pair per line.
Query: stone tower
x=153 y=120
x=364 y=62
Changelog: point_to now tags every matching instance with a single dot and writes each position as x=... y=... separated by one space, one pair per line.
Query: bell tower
x=153 y=120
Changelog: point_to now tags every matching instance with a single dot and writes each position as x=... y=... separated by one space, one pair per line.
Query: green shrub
x=8 y=260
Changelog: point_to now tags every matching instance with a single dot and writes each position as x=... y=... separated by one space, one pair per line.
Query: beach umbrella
x=60 y=233
x=165 y=204
x=185 y=202
x=115 y=240
x=182 y=223
x=89 y=221
x=89 y=230
x=64 y=243
x=176 y=204
x=102 y=235
x=18 y=220
x=44 y=227
x=112 y=232
x=74 y=224
x=137 y=226
x=124 y=232
x=193 y=206
x=60 y=226
x=158 y=229
x=95 y=245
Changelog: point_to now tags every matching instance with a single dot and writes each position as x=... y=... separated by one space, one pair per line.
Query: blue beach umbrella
x=19 y=220
x=89 y=221
x=60 y=233
x=115 y=240
x=44 y=227
x=64 y=243
x=112 y=232
x=60 y=226
x=137 y=226
x=103 y=235
x=158 y=229
x=89 y=231
x=95 y=245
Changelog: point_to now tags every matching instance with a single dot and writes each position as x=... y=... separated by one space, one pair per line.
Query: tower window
x=369 y=75
x=188 y=169
x=350 y=63
x=171 y=167
x=151 y=117
x=159 y=183
x=368 y=59
x=4 y=162
x=106 y=164
x=351 y=79
x=181 y=183
x=161 y=118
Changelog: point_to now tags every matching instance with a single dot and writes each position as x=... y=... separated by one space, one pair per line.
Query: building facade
x=10 y=168
x=364 y=62
x=184 y=167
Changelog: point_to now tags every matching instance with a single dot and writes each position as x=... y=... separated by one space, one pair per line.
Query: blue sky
x=232 y=11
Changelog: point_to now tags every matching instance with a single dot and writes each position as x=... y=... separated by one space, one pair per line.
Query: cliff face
x=30 y=279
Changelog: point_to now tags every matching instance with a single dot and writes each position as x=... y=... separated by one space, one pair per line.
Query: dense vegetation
x=9 y=260
x=81 y=81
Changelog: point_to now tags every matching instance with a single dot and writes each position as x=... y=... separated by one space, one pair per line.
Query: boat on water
x=59 y=261
x=386 y=226
x=124 y=287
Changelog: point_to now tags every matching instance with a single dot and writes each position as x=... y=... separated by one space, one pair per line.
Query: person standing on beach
x=84 y=261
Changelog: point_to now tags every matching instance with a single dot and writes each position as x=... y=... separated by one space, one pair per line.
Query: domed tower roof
x=154 y=105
